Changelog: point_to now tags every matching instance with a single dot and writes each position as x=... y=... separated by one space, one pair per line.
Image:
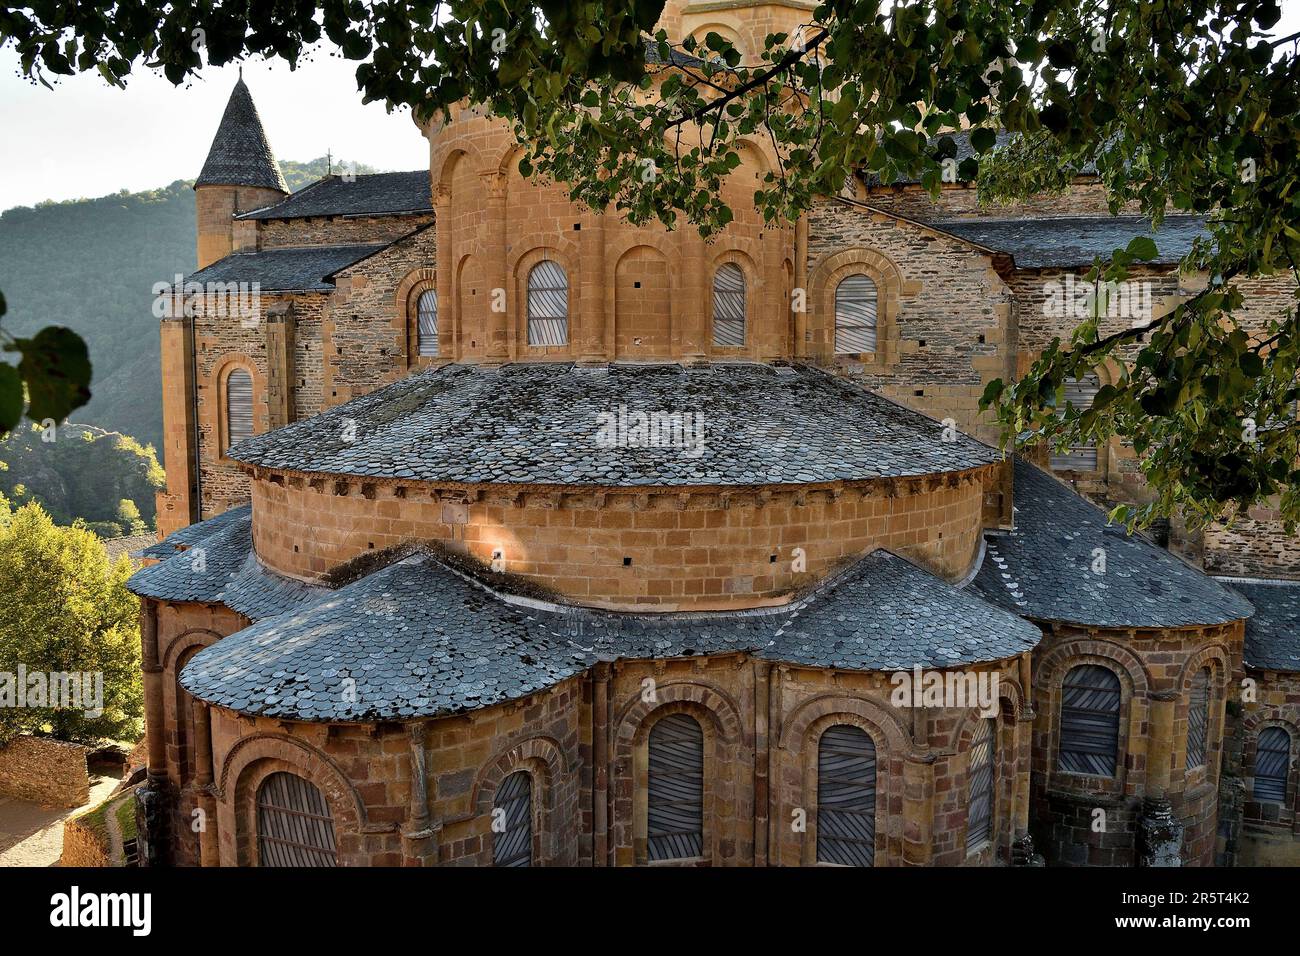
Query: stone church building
x=498 y=531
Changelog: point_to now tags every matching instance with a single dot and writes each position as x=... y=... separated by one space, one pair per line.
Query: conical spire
x=240 y=154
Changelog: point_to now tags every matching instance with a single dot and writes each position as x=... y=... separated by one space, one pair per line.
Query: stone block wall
x=1270 y=832
x=337 y=230
x=45 y=771
x=670 y=548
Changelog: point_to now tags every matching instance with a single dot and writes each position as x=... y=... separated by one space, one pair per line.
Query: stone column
x=918 y=793
x=799 y=347
x=448 y=309
x=692 y=313
x=600 y=764
x=280 y=371
x=498 y=331
x=762 y=744
x=1160 y=833
x=155 y=732
x=209 y=846
x=420 y=838
x=593 y=320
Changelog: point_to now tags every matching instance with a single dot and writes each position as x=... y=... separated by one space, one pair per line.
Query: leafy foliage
x=1191 y=105
x=64 y=609
x=103 y=479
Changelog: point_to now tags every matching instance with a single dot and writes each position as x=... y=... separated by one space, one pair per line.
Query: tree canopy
x=1190 y=106
x=64 y=610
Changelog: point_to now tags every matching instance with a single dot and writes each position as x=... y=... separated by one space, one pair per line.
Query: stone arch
x=215 y=415
x=176 y=700
x=256 y=757
x=897 y=737
x=737 y=251
x=642 y=315
x=1135 y=689
x=448 y=156
x=891 y=288
x=524 y=255
x=469 y=281
x=888 y=784
x=413 y=284
x=1254 y=725
x=719 y=720
x=544 y=761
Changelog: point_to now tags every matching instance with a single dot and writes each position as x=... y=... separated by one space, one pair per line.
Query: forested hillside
x=79 y=471
x=91 y=264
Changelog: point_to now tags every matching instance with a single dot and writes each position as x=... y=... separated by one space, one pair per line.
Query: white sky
x=85 y=138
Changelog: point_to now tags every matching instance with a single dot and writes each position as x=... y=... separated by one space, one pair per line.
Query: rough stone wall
x=671 y=548
x=215 y=207
x=546 y=735
x=337 y=230
x=362 y=770
x=49 y=772
x=225 y=342
x=82 y=846
x=1270 y=832
x=369 y=333
x=1154 y=669
x=944 y=318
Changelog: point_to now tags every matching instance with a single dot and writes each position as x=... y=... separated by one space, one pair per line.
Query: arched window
x=548 y=304
x=239 y=406
x=1080 y=393
x=728 y=306
x=512 y=821
x=1090 y=698
x=979 y=808
x=1198 y=717
x=675 y=802
x=855 y=315
x=846 y=797
x=294 y=826
x=1272 y=763
x=426 y=328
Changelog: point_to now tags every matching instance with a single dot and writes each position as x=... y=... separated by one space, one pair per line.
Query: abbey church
x=502 y=532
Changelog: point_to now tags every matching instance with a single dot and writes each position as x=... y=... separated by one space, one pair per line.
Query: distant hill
x=82 y=472
x=90 y=264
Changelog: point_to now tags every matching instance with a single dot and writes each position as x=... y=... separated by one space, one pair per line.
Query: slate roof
x=187 y=536
x=287 y=269
x=1068 y=242
x=420 y=640
x=369 y=194
x=240 y=154
x=541 y=424
x=219 y=566
x=1273 y=633
x=1043 y=569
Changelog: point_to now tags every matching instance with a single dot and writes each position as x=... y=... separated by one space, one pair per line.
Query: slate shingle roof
x=288 y=269
x=1076 y=240
x=420 y=640
x=240 y=154
x=1273 y=633
x=541 y=424
x=184 y=537
x=369 y=194
x=1043 y=569
x=218 y=566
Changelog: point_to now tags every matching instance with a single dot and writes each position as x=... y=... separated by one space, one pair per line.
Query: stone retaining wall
x=51 y=772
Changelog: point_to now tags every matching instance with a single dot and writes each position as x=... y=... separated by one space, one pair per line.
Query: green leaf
x=1142 y=247
x=56 y=367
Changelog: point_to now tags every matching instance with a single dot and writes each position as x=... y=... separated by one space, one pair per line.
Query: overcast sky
x=85 y=138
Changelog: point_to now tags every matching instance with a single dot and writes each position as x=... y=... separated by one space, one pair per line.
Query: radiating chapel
x=502 y=532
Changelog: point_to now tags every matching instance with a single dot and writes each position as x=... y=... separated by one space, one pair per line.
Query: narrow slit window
x=1079 y=392
x=846 y=797
x=1272 y=764
x=512 y=821
x=979 y=816
x=427 y=322
x=239 y=406
x=1198 y=716
x=675 y=802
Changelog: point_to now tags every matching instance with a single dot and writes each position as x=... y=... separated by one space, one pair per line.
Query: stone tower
x=239 y=174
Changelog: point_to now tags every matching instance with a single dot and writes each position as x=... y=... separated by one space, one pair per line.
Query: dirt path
x=32 y=835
